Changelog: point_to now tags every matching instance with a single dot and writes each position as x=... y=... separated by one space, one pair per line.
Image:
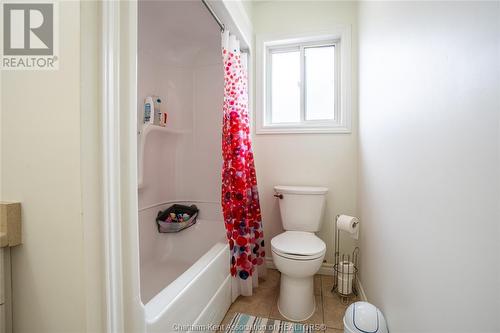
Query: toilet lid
x=298 y=244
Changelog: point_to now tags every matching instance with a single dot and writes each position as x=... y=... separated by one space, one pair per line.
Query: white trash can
x=363 y=317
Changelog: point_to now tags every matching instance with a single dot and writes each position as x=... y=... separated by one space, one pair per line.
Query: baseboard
x=270 y=263
x=361 y=291
x=326 y=269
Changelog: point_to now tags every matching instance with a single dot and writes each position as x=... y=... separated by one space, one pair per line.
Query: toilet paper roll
x=345 y=277
x=344 y=285
x=349 y=224
x=346 y=267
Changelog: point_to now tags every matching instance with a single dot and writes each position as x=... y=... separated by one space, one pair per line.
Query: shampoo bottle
x=163 y=117
x=149 y=115
x=157 y=110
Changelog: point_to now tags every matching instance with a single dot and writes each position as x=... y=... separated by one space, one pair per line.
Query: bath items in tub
x=153 y=113
x=176 y=218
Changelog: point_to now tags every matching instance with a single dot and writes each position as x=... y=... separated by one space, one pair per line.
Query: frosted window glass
x=320 y=82
x=285 y=87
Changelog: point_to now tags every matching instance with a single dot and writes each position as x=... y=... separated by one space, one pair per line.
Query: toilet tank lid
x=301 y=189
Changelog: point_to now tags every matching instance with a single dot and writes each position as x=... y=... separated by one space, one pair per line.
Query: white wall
x=180 y=61
x=91 y=164
x=203 y=162
x=307 y=159
x=41 y=158
x=248 y=7
x=430 y=163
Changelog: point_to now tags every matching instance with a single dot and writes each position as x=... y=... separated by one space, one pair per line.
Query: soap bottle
x=157 y=110
x=163 y=117
x=149 y=110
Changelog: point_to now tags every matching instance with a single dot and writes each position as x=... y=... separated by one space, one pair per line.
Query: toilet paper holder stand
x=345 y=270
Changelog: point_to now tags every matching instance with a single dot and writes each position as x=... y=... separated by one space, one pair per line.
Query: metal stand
x=345 y=270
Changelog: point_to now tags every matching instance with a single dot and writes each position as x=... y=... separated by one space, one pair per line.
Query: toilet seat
x=298 y=245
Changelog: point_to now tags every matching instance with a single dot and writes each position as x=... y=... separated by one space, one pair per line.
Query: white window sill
x=302 y=130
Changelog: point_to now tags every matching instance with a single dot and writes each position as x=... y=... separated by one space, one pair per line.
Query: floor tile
x=228 y=317
x=316 y=318
x=333 y=330
x=259 y=304
x=226 y=321
x=275 y=313
x=317 y=285
x=334 y=310
x=327 y=285
x=264 y=303
x=272 y=280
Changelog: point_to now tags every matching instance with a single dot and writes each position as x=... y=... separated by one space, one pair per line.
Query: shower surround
x=185 y=277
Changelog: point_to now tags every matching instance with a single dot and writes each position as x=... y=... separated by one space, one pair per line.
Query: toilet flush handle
x=279 y=195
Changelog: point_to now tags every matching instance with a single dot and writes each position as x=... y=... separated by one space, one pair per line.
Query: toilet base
x=296 y=300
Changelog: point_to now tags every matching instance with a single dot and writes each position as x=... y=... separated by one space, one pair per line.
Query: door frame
x=124 y=308
x=119 y=171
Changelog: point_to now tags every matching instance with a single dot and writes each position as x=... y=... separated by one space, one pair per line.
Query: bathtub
x=185 y=279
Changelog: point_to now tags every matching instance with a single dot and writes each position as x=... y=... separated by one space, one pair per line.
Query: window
x=302 y=81
x=302 y=84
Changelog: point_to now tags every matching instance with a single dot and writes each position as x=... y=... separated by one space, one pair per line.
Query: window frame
x=269 y=44
x=301 y=47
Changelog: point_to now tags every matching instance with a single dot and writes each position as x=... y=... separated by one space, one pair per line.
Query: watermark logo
x=29 y=36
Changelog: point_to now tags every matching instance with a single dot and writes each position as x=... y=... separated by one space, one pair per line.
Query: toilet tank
x=301 y=207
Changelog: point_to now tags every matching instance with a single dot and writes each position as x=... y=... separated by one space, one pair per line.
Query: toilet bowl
x=298 y=253
x=298 y=256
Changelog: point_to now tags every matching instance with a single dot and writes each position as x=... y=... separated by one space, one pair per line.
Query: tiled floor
x=329 y=308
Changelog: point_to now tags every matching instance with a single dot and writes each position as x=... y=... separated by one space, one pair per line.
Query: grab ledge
x=10 y=224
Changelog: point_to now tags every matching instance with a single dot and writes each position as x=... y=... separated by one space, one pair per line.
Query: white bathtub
x=185 y=277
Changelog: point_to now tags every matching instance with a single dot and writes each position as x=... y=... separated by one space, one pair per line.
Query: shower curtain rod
x=216 y=18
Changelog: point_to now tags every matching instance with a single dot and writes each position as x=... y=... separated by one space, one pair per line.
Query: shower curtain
x=240 y=199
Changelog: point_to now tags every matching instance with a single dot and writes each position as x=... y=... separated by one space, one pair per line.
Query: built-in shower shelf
x=146 y=129
x=143 y=134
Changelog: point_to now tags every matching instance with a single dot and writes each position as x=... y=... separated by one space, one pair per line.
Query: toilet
x=298 y=252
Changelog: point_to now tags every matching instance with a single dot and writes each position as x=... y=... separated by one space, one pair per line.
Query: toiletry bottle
x=163 y=117
x=148 y=110
x=157 y=110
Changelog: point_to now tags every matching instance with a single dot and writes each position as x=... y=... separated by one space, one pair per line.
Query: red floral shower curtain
x=240 y=199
